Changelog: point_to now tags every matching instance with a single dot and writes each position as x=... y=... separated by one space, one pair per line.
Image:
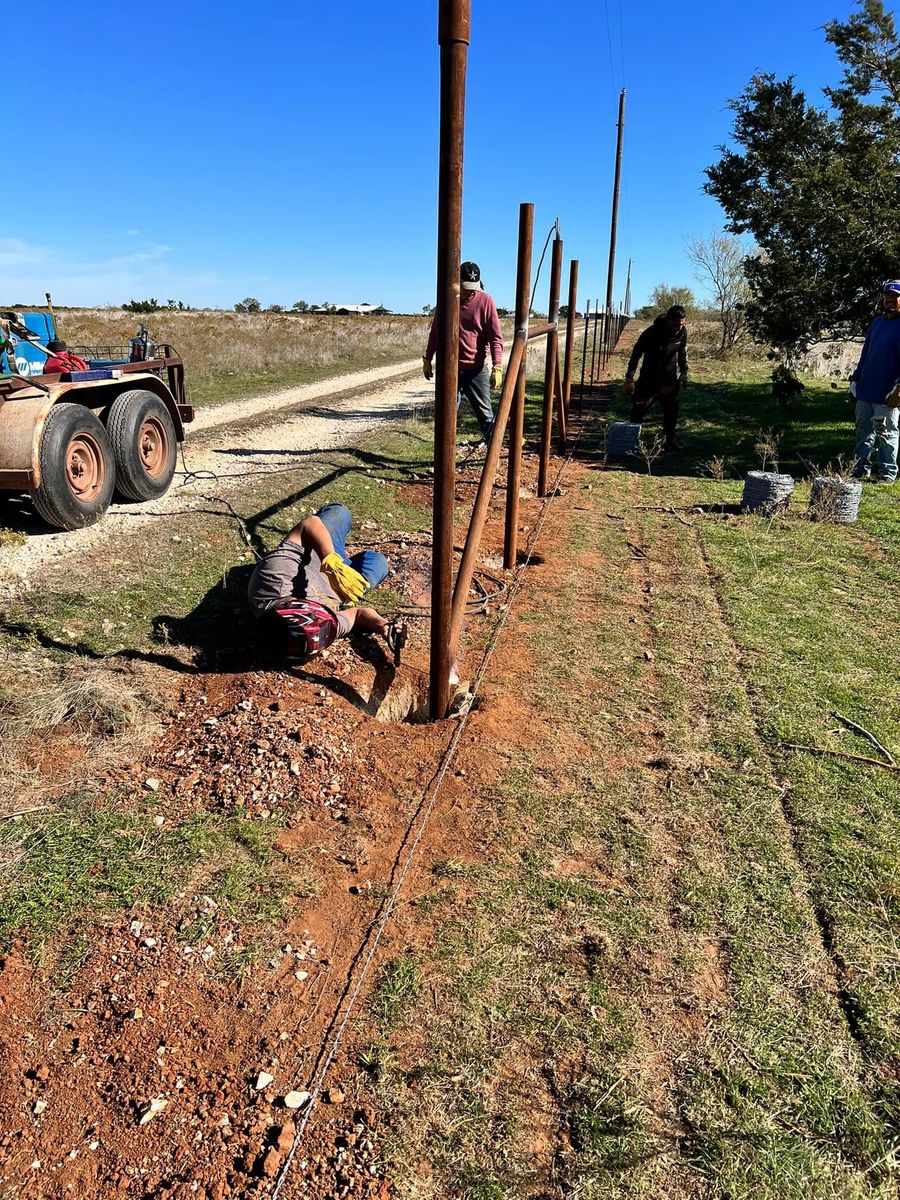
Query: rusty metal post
x=561 y=423
x=570 y=332
x=614 y=224
x=453 y=37
x=483 y=495
x=517 y=421
x=587 y=321
x=594 y=340
x=550 y=367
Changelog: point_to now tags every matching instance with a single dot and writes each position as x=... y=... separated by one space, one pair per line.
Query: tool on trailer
x=396 y=635
x=52 y=313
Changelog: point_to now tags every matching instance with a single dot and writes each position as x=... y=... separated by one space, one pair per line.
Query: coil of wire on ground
x=766 y=492
x=622 y=438
x=833 y=499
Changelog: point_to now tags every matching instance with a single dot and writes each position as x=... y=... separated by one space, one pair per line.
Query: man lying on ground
x=309 y=587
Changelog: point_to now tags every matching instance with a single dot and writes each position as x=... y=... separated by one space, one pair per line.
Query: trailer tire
x=77 y=468
x=144 y=442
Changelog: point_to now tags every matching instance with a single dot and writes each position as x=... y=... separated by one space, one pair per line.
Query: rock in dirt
x=40 y=1106
x=271 y=1161
x=334 y=1095
x=284 y=1138
x=151 y=1109
x=296 y=1099
x=263 y=1080
x=152 y=785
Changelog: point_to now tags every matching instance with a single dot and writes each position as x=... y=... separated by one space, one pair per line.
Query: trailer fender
x=99 y=394
x=21 y=427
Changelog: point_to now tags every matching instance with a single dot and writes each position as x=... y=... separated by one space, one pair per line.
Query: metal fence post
x=570 y=332
x=594 y=341
x=550 y=368
x=587 y=321
x=453 y=37
x=517 y=419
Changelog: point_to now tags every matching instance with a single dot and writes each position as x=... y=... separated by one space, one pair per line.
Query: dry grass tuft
x=54 y=717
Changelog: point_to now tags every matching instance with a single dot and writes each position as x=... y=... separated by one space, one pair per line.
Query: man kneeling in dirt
x=302 y=585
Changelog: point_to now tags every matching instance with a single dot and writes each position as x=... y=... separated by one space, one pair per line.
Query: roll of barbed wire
x=833 y=499
x=766 y=492
x=622 y=438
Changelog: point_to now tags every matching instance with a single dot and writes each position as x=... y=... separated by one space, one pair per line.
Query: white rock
x=149 y=1110
x=263 y=1080
x=39 y=1107
x=152 y=785
x=296 y=1099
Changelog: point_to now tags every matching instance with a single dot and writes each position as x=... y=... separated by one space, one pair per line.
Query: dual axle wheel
x=82 y=463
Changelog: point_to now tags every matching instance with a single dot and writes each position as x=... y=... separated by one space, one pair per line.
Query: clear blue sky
x=206 y=151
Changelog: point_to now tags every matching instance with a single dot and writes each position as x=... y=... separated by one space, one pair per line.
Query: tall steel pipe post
x=550 y=367
x=570 y=332
x=587 y=321
x=594 y=340
x=517 y=421
x=453 y=38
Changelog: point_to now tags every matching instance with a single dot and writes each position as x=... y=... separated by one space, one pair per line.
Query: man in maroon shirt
x=479 y=331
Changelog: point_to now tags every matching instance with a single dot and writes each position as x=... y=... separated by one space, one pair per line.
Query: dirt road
x=224 y=445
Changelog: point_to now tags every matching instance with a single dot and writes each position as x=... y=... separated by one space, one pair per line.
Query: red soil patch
x=153 y=1014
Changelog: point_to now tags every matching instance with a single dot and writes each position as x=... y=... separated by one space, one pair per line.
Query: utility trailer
x=73 y=439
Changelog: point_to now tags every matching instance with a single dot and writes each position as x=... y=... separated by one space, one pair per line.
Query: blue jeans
x=476 y=387
x=371 y=565
x=877 y=425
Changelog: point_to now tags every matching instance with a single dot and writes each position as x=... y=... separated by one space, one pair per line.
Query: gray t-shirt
x=290 y=571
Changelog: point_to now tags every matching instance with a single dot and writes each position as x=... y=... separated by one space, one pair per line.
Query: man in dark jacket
x=663 y=347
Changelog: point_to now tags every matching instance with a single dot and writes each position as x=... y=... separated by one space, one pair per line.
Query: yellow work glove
x=628 y=386
x=426 y=366
x=348 y=584
x=496 y=379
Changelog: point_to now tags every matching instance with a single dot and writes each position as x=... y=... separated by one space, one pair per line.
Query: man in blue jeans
x=311 y=586
x=480 y=348
x=875 y=384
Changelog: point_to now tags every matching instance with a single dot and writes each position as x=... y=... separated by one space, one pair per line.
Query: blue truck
x=75 y=438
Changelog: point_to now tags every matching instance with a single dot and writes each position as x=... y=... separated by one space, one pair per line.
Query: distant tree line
x=153 y=305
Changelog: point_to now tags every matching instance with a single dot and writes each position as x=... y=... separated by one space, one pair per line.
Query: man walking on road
x=306 y=582
x=479 y=335
x=663 y=347
x=875 y=384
